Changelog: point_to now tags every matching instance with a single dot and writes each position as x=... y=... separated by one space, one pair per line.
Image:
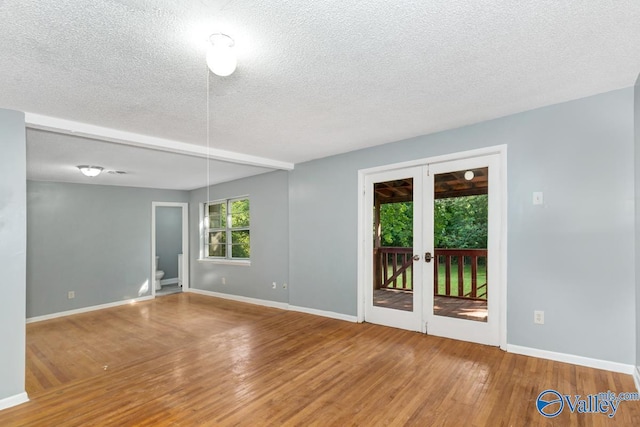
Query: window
x=227 y=234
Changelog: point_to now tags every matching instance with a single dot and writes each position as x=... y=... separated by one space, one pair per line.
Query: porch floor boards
x=392 y=298
x=444 y=306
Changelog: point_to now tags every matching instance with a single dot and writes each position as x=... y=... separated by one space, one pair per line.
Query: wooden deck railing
x=462 y=257
x=394 y=270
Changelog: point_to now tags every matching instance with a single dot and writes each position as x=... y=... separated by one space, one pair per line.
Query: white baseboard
x=274 y=304
x=15 y=400
x=323 y=313
x=173 y=281
x=636 y=377
x=573 y=359
x=87 y=309
x=256 y=301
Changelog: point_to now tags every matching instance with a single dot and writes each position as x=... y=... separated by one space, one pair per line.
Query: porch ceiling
x=448 y=184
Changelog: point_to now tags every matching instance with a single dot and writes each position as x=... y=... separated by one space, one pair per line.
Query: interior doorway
x=433 y=247
x=169 y=248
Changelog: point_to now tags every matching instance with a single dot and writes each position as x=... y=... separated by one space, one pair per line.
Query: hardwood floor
x=191 y=360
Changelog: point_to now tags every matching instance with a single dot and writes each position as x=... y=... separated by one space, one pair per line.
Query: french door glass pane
x=393 y=245
x=460 y=240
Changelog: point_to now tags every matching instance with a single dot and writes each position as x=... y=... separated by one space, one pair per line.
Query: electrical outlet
x=224 y=280
x=274 y=285
x=538 y=317
x=71 y=295
x=284 y=286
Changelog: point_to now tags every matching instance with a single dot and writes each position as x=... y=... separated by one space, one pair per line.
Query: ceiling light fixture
x=221 y=57
x=90 y=170
x=468 y=175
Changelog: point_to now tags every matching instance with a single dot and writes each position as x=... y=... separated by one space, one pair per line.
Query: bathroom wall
x=269 y=208
x=572 y=257
x=13 y=240
x=168 y=239
x=94 y=240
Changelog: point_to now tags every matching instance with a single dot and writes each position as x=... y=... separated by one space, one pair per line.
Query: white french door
x=462 y=297
x=418 y=273
x=399 y=302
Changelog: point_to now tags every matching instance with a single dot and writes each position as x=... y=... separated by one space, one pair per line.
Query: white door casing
x=493 y=332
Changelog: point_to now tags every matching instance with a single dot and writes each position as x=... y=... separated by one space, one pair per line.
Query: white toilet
x=159 y=275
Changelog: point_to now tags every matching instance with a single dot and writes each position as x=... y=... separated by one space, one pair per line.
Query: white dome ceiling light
x=90 y=171
x=221 y=57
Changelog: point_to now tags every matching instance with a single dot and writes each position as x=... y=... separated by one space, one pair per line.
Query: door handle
x=427 y=257
x=416 y=257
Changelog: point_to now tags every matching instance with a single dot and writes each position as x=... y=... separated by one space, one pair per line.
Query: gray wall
x=13 y=241
x=168 y=239
x=268 y=196
x=637 y=213
x=573 y=257
x=91 y=239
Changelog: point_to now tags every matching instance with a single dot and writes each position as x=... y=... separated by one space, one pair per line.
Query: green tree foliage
x=460 y=222
x=240 y=213
x=396 y=221
x=240 y=239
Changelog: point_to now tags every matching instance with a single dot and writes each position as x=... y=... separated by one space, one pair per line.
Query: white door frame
x=185 y=243
x=363 y=233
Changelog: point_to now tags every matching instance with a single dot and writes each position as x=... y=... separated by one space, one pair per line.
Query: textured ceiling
x=313 y=78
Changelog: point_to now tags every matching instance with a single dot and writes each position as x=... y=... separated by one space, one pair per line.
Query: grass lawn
x=481 y=272
x=466 y=278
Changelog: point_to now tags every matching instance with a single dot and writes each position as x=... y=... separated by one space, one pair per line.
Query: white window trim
x=202 y=231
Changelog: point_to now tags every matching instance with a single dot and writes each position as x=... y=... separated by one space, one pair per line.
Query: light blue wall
x=13 y=241
x=573 y=257
x=168 y=239
x=91 y=239
x=268 y=197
